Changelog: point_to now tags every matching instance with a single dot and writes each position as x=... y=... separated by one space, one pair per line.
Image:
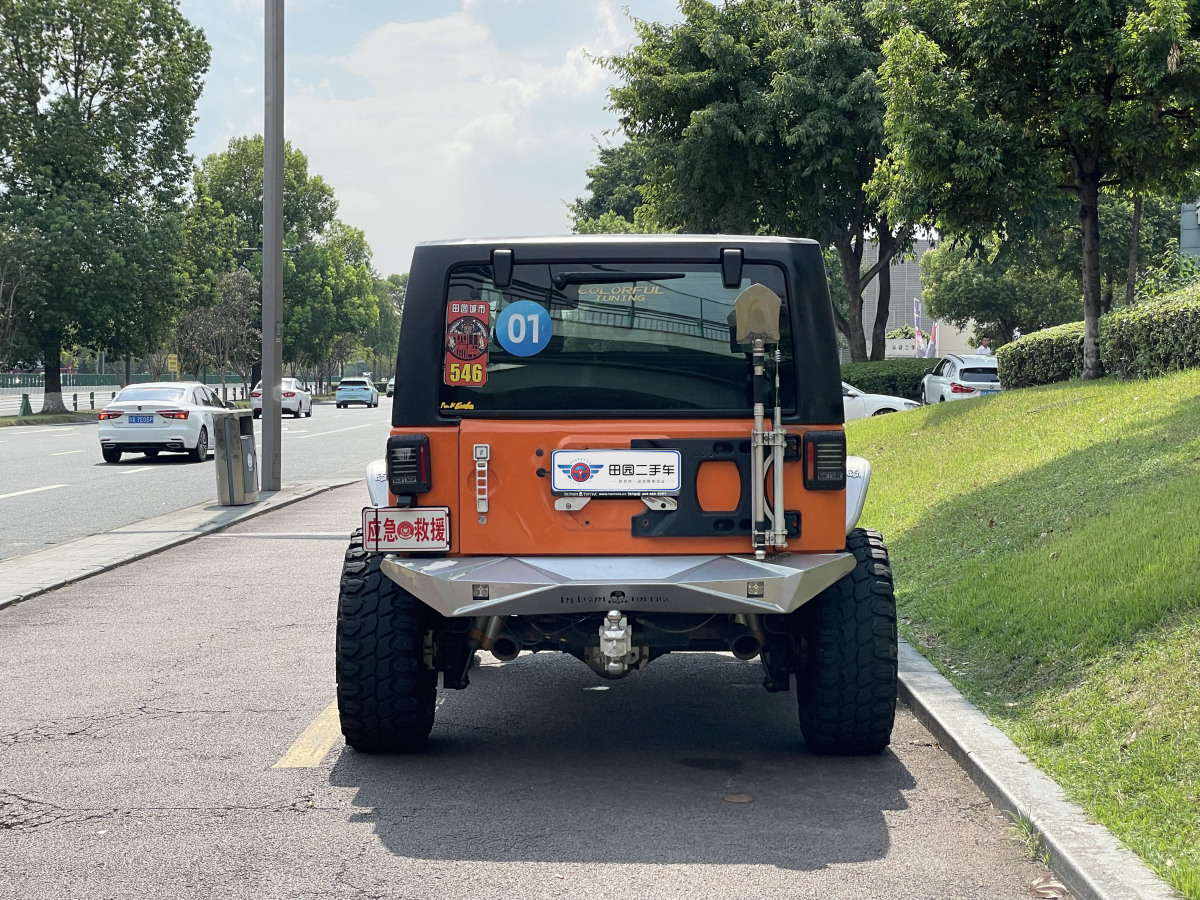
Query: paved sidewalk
x=27 y=576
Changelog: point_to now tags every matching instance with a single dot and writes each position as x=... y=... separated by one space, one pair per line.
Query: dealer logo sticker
x=580 y=471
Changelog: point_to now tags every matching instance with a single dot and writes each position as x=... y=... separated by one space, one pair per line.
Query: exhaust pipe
x=506 y=649
x=745 y=646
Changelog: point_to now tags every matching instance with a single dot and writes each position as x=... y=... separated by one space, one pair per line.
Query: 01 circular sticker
x=523 y=328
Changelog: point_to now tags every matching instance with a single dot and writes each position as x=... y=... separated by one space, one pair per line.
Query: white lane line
x=336 y=430
x=49 y=487
x=67 y=452
x=139 y=469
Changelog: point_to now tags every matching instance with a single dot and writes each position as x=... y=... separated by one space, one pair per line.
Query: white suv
x=959 y=376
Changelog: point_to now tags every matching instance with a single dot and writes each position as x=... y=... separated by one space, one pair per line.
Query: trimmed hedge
x=1043 y=357
x=897 y=377
x=1153 y=338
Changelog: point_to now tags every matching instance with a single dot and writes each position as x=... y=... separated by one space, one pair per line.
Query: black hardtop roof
x=628 y=246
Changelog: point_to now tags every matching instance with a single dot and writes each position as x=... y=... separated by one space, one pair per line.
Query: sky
x=431 y=119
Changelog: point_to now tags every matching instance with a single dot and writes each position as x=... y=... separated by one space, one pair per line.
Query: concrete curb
x=1085 y=855
x=36 y=573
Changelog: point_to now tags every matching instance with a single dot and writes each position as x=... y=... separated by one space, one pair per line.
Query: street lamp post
x=270 y=469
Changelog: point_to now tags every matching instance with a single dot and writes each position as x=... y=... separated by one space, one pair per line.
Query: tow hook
x=616 y=642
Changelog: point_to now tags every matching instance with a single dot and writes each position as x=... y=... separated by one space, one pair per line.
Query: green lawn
x=1046 y=546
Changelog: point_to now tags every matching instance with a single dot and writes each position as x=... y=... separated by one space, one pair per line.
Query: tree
x=991 y=109
x=382 y=339
x=20 y=253
x=96 y=106
x=237 y=332
x=329 y=299
x=1001 y=290
x=234 y=179
x=764 y=116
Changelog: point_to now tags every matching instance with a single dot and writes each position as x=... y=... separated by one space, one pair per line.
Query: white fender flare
x=858 y=478
x=377 y=483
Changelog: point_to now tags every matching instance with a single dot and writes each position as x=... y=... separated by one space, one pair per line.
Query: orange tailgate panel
x=521 y=518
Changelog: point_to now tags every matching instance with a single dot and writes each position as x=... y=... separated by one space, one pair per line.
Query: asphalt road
x=55 y=487
x=143 y=712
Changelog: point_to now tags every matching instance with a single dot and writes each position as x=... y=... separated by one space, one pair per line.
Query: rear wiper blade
x=562 y=279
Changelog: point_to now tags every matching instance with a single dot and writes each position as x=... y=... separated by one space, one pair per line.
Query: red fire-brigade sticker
x=466 y=343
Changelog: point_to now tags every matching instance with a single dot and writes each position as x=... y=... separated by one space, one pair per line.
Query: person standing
x=985 y=347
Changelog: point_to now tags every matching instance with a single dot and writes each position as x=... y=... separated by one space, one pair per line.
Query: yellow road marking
x=317 y=740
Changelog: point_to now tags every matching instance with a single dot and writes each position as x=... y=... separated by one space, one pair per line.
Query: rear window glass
x=148 y=393
x=590 y=338
x=352 y=382
x=985 y=374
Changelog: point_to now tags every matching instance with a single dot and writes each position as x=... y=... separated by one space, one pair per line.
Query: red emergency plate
x=386 y=528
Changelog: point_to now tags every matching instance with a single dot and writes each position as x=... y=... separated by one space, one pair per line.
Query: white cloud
x=469 y=123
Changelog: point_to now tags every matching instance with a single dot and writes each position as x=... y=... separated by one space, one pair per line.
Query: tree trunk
x=52 y=401
x=850 y=255
x=1089 y=220
x=879 y=330
x=1135 y=236
x=128 y=372
x=1106 y=302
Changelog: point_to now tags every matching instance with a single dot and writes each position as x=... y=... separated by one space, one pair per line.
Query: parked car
x=171 y=416
x=959 y=376
x=356 y=390
x=295 y=398
x=391 y=386
x=857 y=405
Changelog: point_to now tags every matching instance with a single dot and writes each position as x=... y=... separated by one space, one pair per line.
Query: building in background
x=1189 y=229
x=906 y=287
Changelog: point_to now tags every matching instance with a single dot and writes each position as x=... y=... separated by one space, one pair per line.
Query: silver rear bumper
x=541 y=585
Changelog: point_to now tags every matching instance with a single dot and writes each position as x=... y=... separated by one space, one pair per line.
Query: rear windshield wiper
x=562 y=279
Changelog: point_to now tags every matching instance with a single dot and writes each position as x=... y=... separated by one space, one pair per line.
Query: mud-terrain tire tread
x=847 y=679
x=386 y=695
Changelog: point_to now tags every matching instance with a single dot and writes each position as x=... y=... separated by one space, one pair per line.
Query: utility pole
x=270 y=465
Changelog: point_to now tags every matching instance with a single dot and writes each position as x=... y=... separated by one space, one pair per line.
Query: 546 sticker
x=467 y=338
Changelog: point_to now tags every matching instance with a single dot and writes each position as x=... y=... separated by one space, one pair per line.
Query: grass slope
x=1046 y=545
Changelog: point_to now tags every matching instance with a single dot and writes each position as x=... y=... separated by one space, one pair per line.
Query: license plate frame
x=141 y=420
x=588 y=473
x=414 y=529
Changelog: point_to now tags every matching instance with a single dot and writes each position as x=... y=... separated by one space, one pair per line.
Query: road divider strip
x=309 y=750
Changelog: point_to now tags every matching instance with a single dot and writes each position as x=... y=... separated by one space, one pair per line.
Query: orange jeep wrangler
x=617 y=447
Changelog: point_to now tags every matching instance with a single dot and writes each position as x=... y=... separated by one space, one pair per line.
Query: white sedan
x=857 y=405
x=295 y=398
x=175 y=416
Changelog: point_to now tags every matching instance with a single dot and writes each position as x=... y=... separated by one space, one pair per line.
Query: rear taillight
x=173 y=413
x=408 y=468
x=109 y=414
x=825 y=460
x=956 y=388
x=255 y=394
x=289 y=393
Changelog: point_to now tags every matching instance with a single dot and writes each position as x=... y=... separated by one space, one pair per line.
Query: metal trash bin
x=236 y=461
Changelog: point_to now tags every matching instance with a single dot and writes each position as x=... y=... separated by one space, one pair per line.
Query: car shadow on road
x=689 y=761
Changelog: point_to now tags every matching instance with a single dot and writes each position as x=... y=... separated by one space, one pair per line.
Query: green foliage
x=904 y=333
x=1154 y=338
x=234 y=178
x=897 y=377
x=1171 y=272
x=615 y=184
x=1044 y=357
x=996 y=287
x=96 y=108
x=382 y=339
x=989 y=113
x=763 y=116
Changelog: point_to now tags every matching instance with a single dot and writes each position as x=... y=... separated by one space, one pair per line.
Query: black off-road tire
x=386 y=695
x=847 y=668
